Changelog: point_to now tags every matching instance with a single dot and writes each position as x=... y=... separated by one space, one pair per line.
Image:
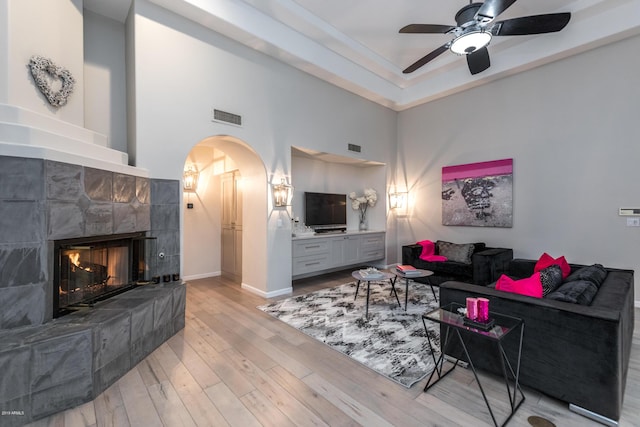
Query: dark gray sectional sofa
x=487 y=264
x=575 y=353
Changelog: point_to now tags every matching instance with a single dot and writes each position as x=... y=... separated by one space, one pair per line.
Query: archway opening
x=209 y=238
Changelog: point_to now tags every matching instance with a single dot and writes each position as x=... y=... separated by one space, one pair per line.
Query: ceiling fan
x=475 y=28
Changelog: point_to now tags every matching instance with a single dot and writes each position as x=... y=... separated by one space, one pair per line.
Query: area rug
x=392 y=341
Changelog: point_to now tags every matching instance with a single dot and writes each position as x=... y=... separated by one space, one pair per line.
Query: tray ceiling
x=356 y=45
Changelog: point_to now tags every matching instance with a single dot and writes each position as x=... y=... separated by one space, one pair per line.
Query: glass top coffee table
x=415 y=274
x=451 y=317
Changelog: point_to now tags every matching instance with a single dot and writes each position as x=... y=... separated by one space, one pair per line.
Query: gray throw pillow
x=595 y=274
x=456 y=252
x=577 y=292
x=551 y=278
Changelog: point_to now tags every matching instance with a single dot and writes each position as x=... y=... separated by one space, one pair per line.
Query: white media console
x=324 y=252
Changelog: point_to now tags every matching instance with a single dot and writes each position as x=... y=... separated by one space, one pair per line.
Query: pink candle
x=483 y=309
x=472 y=308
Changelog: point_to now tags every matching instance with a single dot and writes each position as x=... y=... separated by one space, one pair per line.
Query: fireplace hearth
x=88 y=270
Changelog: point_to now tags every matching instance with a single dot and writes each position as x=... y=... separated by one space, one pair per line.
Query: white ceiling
x=355 y=44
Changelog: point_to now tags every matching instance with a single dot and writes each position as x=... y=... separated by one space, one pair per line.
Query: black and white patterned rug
x=392 y=341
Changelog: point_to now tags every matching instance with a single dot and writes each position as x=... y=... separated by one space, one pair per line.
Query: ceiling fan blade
x=430 y=56
x=492 y=8
x=426 y=29
x=534 y=24
x=478 y=61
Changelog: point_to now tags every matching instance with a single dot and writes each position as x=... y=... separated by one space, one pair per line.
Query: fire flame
x=75 y=260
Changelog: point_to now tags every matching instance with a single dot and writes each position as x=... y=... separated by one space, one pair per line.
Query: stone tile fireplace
x=71 y=235
x=91 y=269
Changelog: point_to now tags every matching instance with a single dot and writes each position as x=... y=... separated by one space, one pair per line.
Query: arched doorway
x=214 y=158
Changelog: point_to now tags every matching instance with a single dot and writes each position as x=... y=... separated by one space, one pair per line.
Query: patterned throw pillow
x=456 y=252
x=551 y=278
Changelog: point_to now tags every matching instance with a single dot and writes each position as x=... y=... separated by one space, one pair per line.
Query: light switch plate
x=633 y=222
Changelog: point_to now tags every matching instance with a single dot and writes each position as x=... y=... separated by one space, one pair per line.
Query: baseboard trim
x=263 y=294
x=592 y=415
x=202 y=276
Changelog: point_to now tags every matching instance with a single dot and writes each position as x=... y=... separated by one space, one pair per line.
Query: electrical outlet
x=633 y=222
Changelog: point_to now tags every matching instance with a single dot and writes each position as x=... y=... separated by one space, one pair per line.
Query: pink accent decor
x=472 y=308
x=483 y=310
x=428 y=252
x=475 y=170
x=531 y=286
x=547 y=260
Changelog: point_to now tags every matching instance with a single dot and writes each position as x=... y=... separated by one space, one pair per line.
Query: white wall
x=105 y=79
x=52 y=29
x=571 y=128
x=201 y=225
x=183 y=70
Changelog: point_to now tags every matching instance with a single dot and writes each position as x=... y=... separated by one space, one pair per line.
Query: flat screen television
x=325 y=210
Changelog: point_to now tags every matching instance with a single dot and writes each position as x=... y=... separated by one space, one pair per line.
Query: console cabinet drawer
x=309 y=264
x=317 y=254
x=374 y=241
x=310 y=247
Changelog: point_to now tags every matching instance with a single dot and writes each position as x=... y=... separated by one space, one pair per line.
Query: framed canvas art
x=478 y=194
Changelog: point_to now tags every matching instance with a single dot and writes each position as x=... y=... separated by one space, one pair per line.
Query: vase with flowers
x=361 y=203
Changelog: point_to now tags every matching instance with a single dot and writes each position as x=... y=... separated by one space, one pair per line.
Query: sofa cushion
x=594 y=273
x=530 y=286
x=456 y=252
x=547 y=260
x=550 y=278
x=576 y=291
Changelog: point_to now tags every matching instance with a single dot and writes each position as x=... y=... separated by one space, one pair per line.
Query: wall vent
x=225 y=117
x=354 y=147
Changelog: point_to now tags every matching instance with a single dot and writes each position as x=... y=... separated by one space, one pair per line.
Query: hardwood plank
x=235 y=365
x=286 y=403
x=110 y=409
x=265 y=412
x=197 y=367
x=150 y=370
x=234 y=412
x=190 y=391
x=324 y=409
x=169 y=405
x=233 y=334
x=208 y=334
x=137 y=401
x=356 y=409
x=229 y=375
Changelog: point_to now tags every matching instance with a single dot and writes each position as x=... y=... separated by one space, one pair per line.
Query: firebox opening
x=89 y=270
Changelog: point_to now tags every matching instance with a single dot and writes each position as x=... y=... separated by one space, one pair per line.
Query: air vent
x=354 y=147
x=225 y=117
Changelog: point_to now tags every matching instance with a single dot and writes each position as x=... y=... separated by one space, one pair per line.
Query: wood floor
x=234 y=365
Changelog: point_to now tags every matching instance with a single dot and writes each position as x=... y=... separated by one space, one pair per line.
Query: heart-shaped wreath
x=43 y=71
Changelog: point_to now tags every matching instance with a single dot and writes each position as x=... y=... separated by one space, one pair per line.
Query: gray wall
x=571 y=129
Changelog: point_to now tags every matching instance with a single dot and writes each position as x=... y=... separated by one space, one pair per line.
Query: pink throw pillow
x=547 y=260
x=531 y=286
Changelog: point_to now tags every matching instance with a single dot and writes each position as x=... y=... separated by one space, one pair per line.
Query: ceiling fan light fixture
x=470 y=42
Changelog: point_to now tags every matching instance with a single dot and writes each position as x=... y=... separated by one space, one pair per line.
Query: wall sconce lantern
x=190 y=179
x=282 y=194
x=397 y=200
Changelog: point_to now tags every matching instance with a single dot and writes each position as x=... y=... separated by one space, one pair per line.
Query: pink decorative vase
x=472 y=308
x=483 y=309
